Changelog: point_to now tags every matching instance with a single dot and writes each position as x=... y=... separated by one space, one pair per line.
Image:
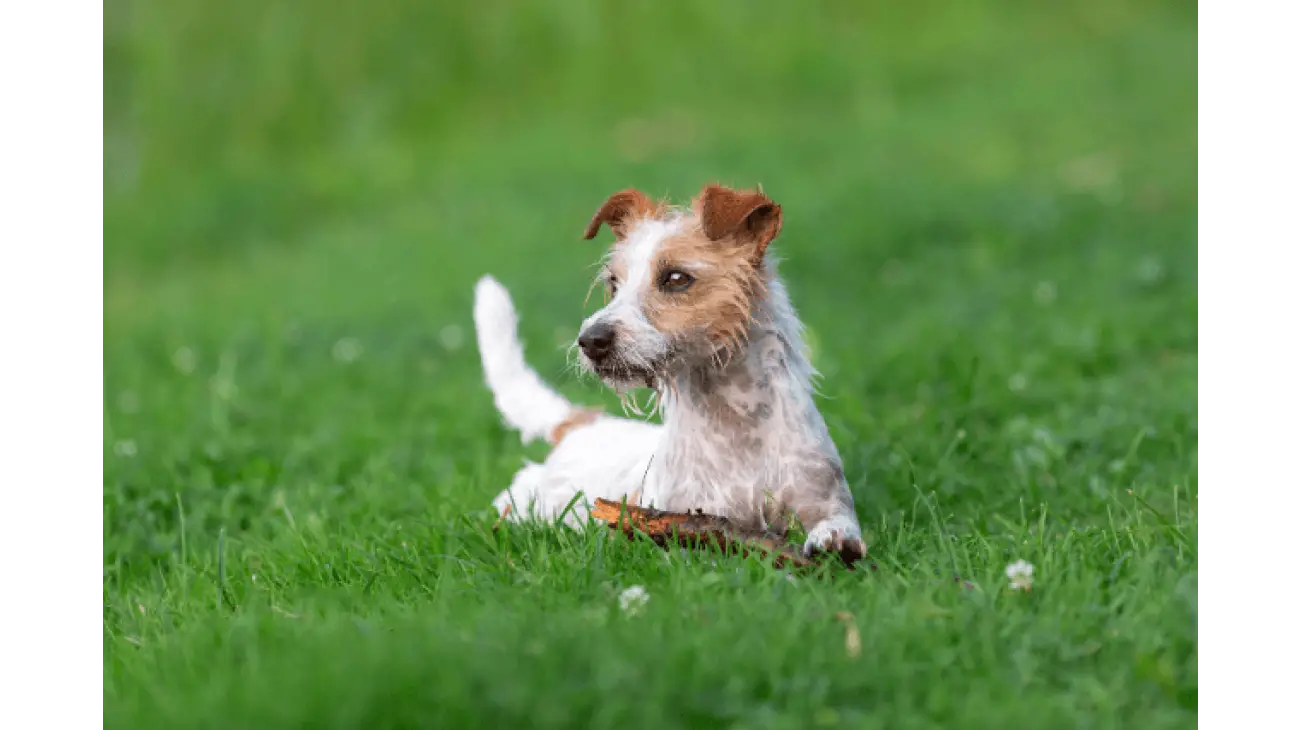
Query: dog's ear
x=749 y=216
x=618 y=211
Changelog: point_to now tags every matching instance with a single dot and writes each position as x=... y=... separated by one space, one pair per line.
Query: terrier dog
x=695 y=312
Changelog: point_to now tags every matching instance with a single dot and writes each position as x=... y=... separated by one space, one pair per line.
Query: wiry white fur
x=696 y=471
x=526 y=403
x=691 y=462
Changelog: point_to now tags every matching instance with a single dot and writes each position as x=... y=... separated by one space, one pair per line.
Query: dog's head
x=681 y=285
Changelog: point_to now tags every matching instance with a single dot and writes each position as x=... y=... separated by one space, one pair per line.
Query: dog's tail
x=527 y=404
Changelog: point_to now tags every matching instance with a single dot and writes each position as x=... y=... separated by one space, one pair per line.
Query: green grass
x=990 y=233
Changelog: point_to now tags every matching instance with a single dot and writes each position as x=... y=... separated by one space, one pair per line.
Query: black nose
x=597 y=340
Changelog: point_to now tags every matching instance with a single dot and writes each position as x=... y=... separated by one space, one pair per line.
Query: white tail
x=527 y=404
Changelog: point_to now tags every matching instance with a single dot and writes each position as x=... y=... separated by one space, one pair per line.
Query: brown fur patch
x=747 y=216
x=721 y=300
x=619 y=211
x=577 y=418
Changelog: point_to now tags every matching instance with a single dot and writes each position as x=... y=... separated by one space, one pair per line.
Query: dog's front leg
x=824 y=507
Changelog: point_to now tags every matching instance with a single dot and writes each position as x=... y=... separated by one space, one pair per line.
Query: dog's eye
x=675 y=281
x=612 y=283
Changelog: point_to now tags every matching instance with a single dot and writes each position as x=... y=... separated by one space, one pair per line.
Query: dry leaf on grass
x=852 y=638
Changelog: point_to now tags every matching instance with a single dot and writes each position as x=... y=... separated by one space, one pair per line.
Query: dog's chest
x=743 y=474
x=736 y=442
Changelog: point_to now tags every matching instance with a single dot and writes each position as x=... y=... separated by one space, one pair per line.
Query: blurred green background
x=990 y=228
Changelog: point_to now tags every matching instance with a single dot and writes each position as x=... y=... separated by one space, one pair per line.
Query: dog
x=696 y=313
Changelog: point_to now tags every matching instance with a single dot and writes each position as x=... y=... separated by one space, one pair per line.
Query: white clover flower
x=128 y=402
x=185 y=360
x=1045 y=293
x=1021 y=575
x=633 y=599
x=347 y=350
x=452 y=337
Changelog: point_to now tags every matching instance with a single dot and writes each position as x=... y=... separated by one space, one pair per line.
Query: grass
x=990 y=229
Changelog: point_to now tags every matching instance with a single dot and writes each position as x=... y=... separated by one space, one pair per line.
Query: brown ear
x=619 y=210
x=749 y=216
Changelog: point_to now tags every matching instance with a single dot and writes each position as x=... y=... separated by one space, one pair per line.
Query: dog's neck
x=745 y=419
x=770 y=365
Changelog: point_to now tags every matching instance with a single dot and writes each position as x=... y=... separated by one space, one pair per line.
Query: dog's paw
x=838 y=535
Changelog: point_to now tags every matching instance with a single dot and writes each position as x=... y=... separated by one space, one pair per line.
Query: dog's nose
x=597 y=340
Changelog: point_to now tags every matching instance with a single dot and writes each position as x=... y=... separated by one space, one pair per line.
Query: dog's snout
x=597 y=340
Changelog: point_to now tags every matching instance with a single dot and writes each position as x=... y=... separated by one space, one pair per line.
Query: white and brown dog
x=696 y=313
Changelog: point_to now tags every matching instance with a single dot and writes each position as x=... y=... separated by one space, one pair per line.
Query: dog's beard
x=627 y=371
x=622 y=375
x=624 y=371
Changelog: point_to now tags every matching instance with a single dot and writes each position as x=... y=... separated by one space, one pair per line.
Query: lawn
x=990 y=229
